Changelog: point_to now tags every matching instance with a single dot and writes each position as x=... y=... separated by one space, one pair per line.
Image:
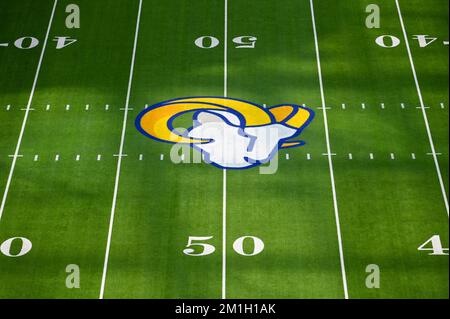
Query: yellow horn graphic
x=156 y=122
x=293 y=116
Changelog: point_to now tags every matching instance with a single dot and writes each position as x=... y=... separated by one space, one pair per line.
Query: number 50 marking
x=208 y=249
x=242 y=42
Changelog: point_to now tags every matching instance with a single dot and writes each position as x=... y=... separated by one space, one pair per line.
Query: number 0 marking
x=5 y=248
x=19 y=43
x=200 y=42
x=258 y=247
x=381 y=41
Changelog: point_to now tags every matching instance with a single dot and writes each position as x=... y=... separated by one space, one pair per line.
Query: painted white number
x=436 y=246
x=242 y=42
x=33 y=42
x=238 y=246
x=5 y=248
x=207 y=248
x=381 y=41
x=62 y=42
x=424 y=40
x=201 y=43
x=245 y=42
x=258 y=246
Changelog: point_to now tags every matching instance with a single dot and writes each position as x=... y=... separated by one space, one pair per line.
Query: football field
x=92 y=208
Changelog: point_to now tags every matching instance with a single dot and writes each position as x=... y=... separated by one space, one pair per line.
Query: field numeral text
x=391 y=41
x=208 y=249
x=241 y=42
x=25 y=247
x=27 y=43
x=436 y=246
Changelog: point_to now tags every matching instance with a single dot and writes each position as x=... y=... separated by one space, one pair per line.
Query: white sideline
x=330 y=160
x=119 y=158
x=224 y=198
x=27 y=112
x=422 y=106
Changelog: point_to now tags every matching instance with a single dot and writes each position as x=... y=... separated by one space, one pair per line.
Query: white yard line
x=330 y=160
x=119 y=158
x=224 y=198
x=422 y=105
x=27 y=112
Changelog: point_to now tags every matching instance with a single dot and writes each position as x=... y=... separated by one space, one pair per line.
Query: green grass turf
x=63 y=207
x=388 y=208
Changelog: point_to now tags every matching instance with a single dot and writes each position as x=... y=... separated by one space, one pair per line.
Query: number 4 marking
x=436 y=246
x=424 y=40
x=62 y=42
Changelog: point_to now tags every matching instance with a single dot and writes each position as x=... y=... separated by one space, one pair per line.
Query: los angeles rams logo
x=230 y=133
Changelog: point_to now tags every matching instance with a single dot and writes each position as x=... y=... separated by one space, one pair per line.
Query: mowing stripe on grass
x=119 y=158
x=422 y=106
x=27 y=112
x=330 y=161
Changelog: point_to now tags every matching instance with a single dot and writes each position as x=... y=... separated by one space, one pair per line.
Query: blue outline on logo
x=207 y=159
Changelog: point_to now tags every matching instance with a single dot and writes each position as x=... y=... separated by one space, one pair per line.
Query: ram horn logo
x=230 y=133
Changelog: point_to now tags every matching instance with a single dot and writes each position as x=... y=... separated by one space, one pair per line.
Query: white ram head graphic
x=231 y=133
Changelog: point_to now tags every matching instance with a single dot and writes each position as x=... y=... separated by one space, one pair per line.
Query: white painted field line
x=27 y=112
x=424 y=112
x=224 y=184
x=330 y=160
x=119 y=158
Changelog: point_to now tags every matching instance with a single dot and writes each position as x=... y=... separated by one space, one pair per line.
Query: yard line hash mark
x=330 y=158
x=27 y=112
x=424 y=112
x=119 y=158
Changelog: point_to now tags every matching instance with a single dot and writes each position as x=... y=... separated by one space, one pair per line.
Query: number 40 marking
x=27 y=43
x=436 y=246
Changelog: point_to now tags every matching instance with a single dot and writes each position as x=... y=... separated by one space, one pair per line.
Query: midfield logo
x=230 y=133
